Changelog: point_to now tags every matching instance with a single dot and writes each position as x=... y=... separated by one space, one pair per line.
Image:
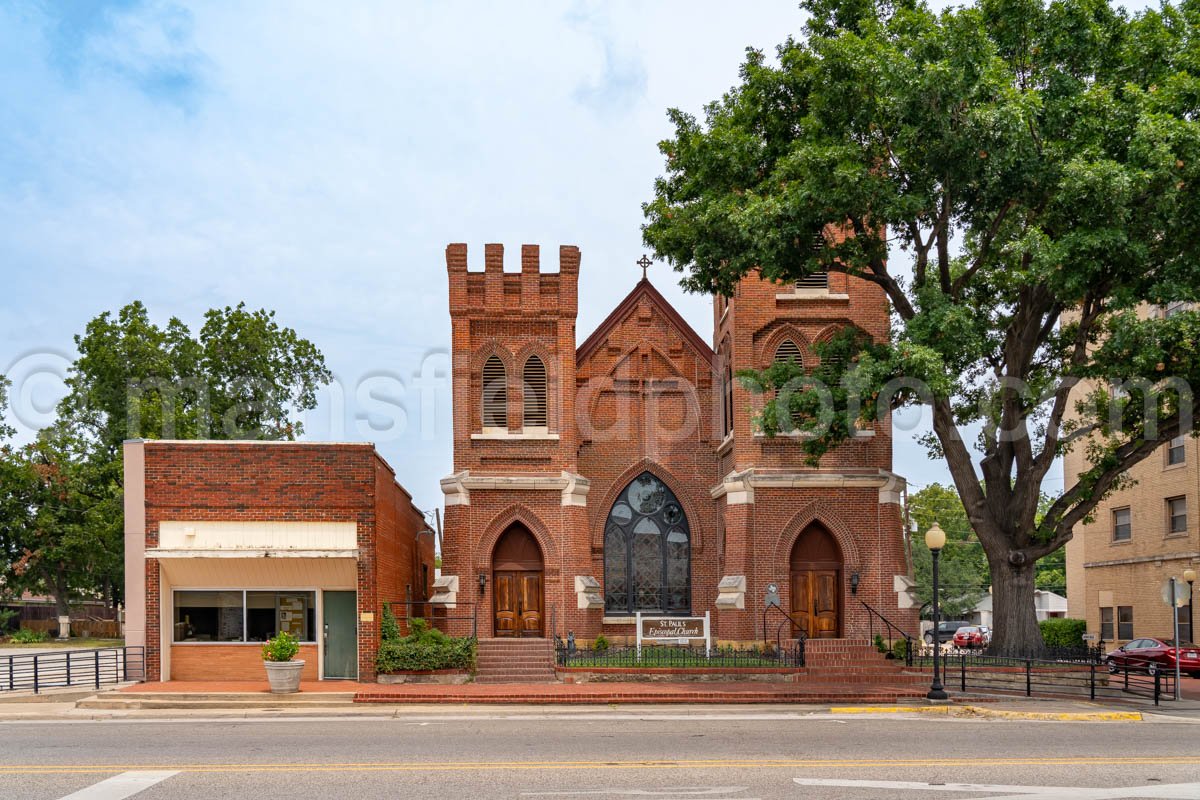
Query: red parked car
x=971 y=636
x=1155 y=655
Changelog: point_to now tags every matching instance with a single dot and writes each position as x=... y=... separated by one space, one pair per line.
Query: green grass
x=70 y=644
x=671 y=657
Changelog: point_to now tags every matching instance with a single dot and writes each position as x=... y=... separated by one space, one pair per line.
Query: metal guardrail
x=63 y=668
x=1079 y=675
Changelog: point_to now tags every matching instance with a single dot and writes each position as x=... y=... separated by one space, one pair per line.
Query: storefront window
x=268 y=613
x=243 y=616
x=208 y=617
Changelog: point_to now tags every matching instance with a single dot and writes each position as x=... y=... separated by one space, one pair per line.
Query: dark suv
x=946 y=630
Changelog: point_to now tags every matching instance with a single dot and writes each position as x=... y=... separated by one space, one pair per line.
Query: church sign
x=673 y=630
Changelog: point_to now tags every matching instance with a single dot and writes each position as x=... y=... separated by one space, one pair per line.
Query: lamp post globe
x=935 y=540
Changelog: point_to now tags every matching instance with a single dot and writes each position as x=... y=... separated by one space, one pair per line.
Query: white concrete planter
x=284 y=676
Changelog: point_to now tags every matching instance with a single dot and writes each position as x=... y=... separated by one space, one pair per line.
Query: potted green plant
x=283 y=673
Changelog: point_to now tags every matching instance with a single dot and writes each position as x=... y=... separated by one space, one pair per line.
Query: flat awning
x=163 y=552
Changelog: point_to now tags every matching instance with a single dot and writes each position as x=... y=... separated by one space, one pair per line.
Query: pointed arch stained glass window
x=647 y=551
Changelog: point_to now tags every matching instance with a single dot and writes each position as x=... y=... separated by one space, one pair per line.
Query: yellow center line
x=466 y=766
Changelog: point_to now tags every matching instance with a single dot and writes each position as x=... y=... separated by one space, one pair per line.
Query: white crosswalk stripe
x=118 y=787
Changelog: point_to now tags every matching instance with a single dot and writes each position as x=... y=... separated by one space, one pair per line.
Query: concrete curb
x=996 y=713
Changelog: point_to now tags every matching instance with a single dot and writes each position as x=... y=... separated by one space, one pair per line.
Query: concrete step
x=165 y=700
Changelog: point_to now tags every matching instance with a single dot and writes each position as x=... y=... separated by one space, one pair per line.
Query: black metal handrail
x=435 y=613
x=892 y=629
x=779 y=628
x=62 y=668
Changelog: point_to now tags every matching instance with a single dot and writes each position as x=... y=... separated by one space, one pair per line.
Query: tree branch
x=985 y=247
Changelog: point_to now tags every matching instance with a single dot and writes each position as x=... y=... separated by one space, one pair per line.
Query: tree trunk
x=62 y=604
x=1014 y=618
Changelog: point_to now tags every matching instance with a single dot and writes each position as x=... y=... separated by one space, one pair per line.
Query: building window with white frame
x=234 y=616
x=1176 y=516
x=1176 y=451
x=1106 y=624
x=1175 y=307
x=1122 y=524
x=1124 y=622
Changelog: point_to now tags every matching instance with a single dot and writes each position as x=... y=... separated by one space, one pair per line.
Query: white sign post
x=1176 y=598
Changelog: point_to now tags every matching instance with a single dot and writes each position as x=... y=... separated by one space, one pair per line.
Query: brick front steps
x=639 y=693
x=515 y=661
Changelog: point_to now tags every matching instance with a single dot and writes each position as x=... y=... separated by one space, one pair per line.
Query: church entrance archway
x=518 y=596
x=816 y=567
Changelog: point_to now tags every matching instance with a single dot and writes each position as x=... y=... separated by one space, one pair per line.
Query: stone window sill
x=528 y=435
x=813 y=294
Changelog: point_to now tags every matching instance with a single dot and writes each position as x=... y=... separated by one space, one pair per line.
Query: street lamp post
x=935 y=540
x=1189 y=575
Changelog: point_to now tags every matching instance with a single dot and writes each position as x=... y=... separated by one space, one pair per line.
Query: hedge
x=1063 y=632
x=423 y=649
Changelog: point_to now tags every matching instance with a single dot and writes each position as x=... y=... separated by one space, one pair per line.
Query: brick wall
x=282 y=482
x=643 y=392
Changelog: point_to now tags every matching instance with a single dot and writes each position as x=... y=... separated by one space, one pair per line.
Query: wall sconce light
x=482 y=582
x=853 y=583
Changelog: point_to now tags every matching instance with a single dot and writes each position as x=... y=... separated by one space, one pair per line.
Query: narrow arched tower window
x=788 y=351
x=495 y=393
x=535 y=393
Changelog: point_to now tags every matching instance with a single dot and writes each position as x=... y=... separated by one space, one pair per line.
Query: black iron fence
x=62 y=668
x=667 y=656
x=1076 y=672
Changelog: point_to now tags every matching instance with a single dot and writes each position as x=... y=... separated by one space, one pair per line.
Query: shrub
x=425 y=648
x=1063 y=632
x=879 y=643
x=601 y=643
x=283 y=647
x=900 y=649
x=29 y=636
x=389 y=628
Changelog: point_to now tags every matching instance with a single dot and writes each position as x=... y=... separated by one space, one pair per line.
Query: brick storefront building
x=228 y=543
x=625 y=474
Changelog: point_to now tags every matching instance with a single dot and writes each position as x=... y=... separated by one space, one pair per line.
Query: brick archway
x=599 y=512
x=499 y=526
x=819 y=513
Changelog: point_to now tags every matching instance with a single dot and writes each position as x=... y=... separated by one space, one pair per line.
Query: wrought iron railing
x=62 y=668
x=1077 y=673
x=665 y=656
x=877 y=621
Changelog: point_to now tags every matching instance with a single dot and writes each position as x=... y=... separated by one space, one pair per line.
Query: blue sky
x=315 y=158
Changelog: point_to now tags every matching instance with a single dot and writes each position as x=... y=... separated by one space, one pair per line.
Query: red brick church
x=625 y=474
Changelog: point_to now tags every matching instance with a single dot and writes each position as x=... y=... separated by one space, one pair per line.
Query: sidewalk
x=252 y=700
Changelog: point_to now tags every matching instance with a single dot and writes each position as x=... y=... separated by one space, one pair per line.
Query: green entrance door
x=341 y=635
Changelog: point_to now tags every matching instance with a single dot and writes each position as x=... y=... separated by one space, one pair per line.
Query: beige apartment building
x=1138 y=538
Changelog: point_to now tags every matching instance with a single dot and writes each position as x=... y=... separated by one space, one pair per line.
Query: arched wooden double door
x=518 y=596
x=816 y=585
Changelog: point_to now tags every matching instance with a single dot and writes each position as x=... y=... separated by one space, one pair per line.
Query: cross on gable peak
x=644 y=262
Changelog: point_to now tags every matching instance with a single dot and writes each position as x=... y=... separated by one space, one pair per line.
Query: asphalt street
x=690 y=753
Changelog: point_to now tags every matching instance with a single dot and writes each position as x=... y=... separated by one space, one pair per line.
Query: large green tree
x=61 y=515
x=963 y=569
x=1039 y=167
